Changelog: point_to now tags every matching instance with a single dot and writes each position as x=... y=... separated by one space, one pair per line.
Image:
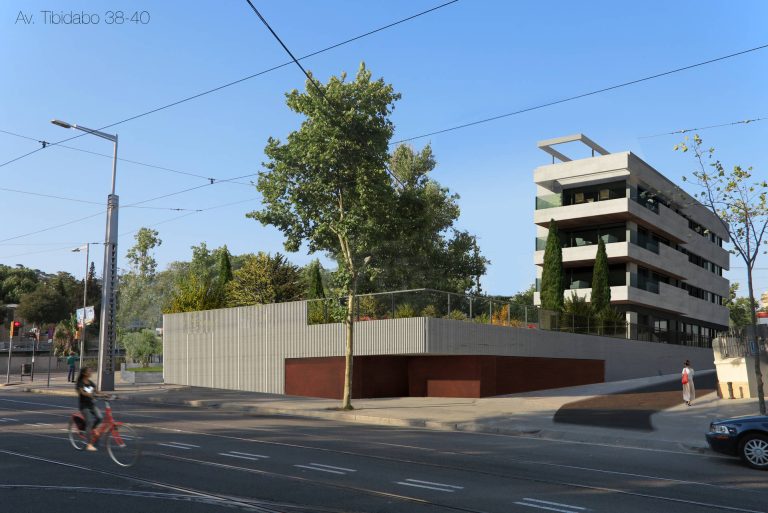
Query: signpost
x=50 y=350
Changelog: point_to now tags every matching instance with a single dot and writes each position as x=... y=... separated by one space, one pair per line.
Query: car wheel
x=753 y=449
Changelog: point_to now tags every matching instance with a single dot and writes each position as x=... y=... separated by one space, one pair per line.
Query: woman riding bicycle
x=86 y=391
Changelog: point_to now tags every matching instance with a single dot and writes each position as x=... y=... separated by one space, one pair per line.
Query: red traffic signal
x=15 y=326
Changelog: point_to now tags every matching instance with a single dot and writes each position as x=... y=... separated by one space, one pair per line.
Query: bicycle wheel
x=77 y=437
x=124 y=445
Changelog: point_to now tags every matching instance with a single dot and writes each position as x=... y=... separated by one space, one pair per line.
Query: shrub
x=430 y=311
x=500 y=316
x=141 y=345
x=483 y=318
x=457 y=315
x=405 y=310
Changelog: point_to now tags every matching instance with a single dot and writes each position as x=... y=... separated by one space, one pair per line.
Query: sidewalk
x=529 y=414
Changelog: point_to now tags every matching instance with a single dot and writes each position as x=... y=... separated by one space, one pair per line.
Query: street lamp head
x=62 y=124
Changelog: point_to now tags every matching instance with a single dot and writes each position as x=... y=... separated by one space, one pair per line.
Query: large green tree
x=327 y=186
x=422 y=248
x=601 y=290
x=197 y=284
x=552 y=281
x=263 y=279
x=138 y=303
x=740 y=200
x=15 y=282
x=44 y=305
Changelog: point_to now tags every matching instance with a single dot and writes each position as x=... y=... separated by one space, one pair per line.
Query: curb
x=465 y=426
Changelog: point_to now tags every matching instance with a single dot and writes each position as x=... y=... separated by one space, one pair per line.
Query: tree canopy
x=264 y=278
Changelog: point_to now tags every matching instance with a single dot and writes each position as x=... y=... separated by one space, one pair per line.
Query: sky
x=467 y=61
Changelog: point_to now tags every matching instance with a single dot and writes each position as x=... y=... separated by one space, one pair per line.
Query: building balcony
x=583 y=214
x=664 y=260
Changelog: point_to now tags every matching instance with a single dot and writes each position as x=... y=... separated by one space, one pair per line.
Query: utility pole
x=108 y=325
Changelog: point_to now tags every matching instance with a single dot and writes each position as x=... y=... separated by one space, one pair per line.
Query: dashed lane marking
x=179 y=445
x=550 y=506
x=244 y=455
x=430 y=485
x=326 y=468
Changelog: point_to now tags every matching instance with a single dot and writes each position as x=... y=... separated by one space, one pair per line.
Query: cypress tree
x=315 y=281
x=225 y=266
x=552 y=275
x=601 y=290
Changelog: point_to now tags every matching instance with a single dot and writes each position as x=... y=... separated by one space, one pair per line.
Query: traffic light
x=15 y=327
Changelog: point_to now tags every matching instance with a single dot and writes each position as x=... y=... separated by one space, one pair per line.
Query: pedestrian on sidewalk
x=71 y=366
x=689 y=391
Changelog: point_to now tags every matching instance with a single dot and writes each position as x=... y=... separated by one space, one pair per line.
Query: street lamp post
x=107 y=325
x=87 y=247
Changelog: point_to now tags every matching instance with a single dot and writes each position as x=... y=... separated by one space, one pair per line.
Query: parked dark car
x=745 y=437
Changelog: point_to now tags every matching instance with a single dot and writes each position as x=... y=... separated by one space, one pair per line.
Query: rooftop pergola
x=547 y=144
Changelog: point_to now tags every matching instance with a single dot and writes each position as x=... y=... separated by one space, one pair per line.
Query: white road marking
x=249 y=454
x=334 y=468
x=179 y=445
x=244 y=456
x=308 y=467
x=435 y=484
x=430 y=485
x=550 y=506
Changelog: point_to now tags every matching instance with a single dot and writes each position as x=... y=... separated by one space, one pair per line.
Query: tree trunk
x=346 y=402
x=758 y=371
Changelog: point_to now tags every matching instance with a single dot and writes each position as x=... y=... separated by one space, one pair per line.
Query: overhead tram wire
x=583 y=95
x=129 y=161
x=45 y=144
x=68 y=246
x=77 y=200
x=687 y=130
x=162 y=196
x=309 y=77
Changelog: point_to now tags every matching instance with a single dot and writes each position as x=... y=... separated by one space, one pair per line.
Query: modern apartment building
x=665 y=249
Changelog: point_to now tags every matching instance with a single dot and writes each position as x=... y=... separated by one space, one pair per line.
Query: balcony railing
x=644 y=283
x=549 y=201
x=644 y=241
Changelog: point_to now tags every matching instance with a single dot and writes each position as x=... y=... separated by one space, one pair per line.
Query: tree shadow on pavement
x=631 y=409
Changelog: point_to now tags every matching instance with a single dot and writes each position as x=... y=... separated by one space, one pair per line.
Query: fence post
x=448 y=313
x=490 y=312
x=470 y=308
x=357 y=301
x=525 y=308
x=392 y=296
x=509 y=314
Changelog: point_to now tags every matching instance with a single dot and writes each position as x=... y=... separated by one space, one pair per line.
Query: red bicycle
x=123 y=443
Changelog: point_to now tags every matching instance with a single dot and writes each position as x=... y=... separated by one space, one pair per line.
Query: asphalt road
x=209 y=461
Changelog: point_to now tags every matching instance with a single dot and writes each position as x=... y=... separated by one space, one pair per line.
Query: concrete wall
x=245 y=348
x=624 y=359
x=41 y=364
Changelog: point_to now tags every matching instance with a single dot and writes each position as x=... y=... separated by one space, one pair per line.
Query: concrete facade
x=664 y=247
x=245 y=348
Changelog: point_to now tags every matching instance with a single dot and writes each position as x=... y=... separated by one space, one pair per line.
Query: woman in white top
x=689 y=391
